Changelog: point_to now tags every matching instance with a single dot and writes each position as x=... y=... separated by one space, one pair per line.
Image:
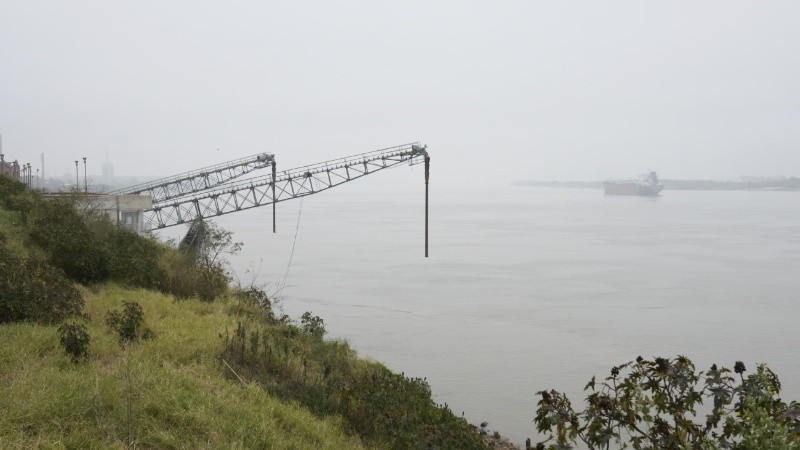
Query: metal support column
x=274 y=200
x=427 y=176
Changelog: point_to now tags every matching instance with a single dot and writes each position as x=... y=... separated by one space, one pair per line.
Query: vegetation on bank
x=654 y=404
x=327 y=377
x=111 y=339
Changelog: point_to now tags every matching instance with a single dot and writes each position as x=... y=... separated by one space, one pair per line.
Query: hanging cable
x=282 y=284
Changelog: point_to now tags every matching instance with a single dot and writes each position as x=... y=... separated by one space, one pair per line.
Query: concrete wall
x=126 y=210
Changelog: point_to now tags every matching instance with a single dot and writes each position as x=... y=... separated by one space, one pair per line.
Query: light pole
x=85 y=183
x=37 y=178
x=23 y=174
x=77 y=181
x=30 y=176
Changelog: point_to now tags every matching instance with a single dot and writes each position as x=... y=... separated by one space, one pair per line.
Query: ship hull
x=631 y=189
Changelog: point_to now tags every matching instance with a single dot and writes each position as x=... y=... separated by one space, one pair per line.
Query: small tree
x=647 y=404
x=129 y=323
x=208 y=243
x=75 y=340
x=312 y=325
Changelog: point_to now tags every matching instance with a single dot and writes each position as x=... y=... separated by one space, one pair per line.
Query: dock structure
x=125 y=210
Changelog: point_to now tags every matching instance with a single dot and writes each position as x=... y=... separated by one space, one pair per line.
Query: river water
x=535 y=288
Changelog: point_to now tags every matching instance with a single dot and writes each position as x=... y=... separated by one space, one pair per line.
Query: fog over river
x=534 y=288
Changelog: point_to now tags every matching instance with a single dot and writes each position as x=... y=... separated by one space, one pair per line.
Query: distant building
x=108 y=173
x=10 y=169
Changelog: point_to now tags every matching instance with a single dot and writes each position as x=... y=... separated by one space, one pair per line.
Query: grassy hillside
x=176 y=358
x=168 y=392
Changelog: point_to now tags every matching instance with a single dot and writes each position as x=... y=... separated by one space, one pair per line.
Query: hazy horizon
x=499 y=92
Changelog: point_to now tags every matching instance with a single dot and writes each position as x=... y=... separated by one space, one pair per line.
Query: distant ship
x=647 y=184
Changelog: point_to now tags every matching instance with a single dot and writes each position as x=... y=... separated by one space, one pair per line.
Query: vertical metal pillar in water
x=274 y=200
x=427 y=175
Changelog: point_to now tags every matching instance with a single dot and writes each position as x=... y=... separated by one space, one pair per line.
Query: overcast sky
x=499 y=91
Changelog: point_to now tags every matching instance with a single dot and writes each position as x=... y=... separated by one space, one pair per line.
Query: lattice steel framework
x=286 y=185
x=199 y=180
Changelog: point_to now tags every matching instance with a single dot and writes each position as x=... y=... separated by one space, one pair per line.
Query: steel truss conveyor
x=242 y=194
x=199 y=180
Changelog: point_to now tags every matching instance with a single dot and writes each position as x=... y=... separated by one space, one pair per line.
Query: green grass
x=180 y=393
x=14 y=233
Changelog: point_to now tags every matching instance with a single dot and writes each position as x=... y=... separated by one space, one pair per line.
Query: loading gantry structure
x=222 y=189
x=198 y=180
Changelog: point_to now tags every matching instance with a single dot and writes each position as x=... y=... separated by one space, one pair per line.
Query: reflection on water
x=534 y=288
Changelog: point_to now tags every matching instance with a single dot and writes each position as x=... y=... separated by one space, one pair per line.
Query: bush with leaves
x=312 y=325
x=129 y=323
x=184 y=278
x=652 y=404
x=208 y=244
x=34 y=290
x=255 y=303
x=133 y=259
x=9 y=188
x=75 y=340
x=62 y=231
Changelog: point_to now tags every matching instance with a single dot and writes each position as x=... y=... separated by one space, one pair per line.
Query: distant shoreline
x=790 y=184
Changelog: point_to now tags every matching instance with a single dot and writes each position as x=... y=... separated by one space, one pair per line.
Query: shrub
x=654 y=406
x=256 y=297
x=184 y=278
x=33 y=290
x=62 y=231
x=312 y=325
x=75 y=340
x=8 y=189
x=134 y=260
x=209 y=243
x=255 y=303
x=129 y=323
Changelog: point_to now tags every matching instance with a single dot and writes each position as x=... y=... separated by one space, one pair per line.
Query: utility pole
x=77 y=181
x=85 y=183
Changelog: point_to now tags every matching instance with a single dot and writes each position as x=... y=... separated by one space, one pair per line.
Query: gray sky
x=498 y=90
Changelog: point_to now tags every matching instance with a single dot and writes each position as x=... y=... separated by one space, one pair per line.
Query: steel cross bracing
x=288 y=184
x=199 y=180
